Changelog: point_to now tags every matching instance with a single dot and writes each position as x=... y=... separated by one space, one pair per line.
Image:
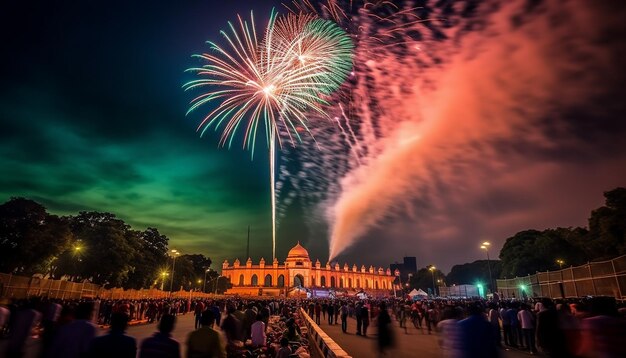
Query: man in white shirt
x=527 y=322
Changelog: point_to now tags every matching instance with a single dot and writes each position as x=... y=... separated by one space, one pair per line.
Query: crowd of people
x=244 y=327
x=224 y=327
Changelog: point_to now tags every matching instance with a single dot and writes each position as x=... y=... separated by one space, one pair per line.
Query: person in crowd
x=73 y=339
x=198 y=313
x=115 y=343
x=205 y=342
x=285 y=350
x=344 y=316
x=506 y=323
x=318 y=313
x=550 y=335
x=161 y=344
x=365 y=320
x=527 y=323
x=330 y=310
x=249 y=318
x=336 y=309
x=291 y=333
x=476 y=334
x=493 y=316
x=570 y=327
x=359 y=320
x=603 y=333
x=22 y=323
x=448 y=328
x=259 y=339
x=231 y=326
x=385 y=330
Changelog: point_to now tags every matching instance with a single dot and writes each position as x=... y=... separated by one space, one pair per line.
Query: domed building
x=298 y=274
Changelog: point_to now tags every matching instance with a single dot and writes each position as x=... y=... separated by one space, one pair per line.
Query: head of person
x=207 y=319
x=259 y=317
x=284 y=342
x=603 y=306
x=84 y=310
x=119 y=321
x=166 y=325
x=475 y=308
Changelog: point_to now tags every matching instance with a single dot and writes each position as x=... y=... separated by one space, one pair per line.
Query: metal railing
x=603 y=278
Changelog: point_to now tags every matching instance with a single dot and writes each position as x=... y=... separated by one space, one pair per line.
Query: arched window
x=298 y=281
x=350 y=282
x=358 y=283
x=255 y=280
x=367 y=283
x=313 y=281
x=240 y=280
x=341 y=282
x=332 y=281
x=377 y=284
x=281 y=281
x=268 y=281
x=323 y=281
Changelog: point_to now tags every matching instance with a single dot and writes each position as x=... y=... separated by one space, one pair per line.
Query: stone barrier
x=324 y=345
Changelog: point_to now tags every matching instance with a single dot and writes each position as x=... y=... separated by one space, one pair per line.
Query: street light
x=175 y=253
x=432 y=269
x=485 y=246
x=163 y=276
x=560 y=263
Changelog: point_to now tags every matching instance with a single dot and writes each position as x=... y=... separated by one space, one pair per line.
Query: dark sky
x=520 y=126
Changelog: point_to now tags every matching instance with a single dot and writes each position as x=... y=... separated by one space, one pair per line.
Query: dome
x=298 y=252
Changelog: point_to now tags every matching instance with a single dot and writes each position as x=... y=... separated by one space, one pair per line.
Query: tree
x=607 y=226
x=106 y=249
x=424 y=279
x=150 y=258
x=471 y=273
x=530 y=251
x=30 y=238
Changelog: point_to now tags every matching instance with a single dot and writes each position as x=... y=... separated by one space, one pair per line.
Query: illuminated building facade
x=298 y=271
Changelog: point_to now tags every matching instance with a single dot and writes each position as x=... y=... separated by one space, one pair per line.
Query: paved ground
x=414 y=343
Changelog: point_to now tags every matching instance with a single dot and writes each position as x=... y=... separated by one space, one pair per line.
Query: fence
x=605 y=278
x=12 y=286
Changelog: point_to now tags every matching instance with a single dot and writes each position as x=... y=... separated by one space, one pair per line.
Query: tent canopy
x=419 y=292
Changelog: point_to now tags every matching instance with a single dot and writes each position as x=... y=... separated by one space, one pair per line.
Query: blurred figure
x=450 y=335
x=231 y=326
x=365 y=320
x=570 y=327
x=603 y=333
x=22 y=323
x=477 y=336
x=5 y=314
x=318 y=313
x=550 y=335
x=385 y=330
x=161 y=344
x=205 y=341
x=493 y=316
x=74 y=338
x=115 y=343
x=198 y=313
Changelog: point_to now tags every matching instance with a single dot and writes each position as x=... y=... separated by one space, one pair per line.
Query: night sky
x=92 y=117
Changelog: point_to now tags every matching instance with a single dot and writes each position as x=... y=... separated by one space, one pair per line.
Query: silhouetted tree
x=471 y=273
x=30 y=238
x=607 y=226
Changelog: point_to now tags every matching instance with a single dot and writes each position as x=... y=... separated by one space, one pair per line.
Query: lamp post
x=204 y=285
x=175 y=253
x=432 y=269
x=485 y=246
x=163 y=275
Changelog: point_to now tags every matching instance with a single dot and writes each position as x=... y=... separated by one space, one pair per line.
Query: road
x=414 y=343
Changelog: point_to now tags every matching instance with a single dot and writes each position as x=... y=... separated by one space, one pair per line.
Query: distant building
x=298 y=275
x=406 y=268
